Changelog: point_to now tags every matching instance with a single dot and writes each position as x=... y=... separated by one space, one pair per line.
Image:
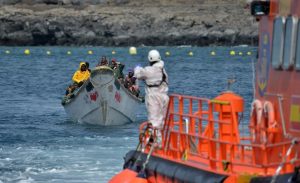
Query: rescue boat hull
x=161 y=170
x=289 y=177
x=164 y=170
x=102 y=100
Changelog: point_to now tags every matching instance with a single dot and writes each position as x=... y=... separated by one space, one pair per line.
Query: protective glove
x=137 y=66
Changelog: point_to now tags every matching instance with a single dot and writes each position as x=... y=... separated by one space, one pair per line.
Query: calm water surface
x=38 y=143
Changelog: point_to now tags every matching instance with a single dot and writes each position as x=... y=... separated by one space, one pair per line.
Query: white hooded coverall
x=156 y=98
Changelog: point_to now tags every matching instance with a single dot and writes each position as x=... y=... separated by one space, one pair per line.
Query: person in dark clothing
x=88 y=66
x=118 y=69
x=113 y=64
x=131 y=84
x=103 y=62
x=129 y=79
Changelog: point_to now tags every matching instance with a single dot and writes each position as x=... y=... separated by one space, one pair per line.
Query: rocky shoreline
x=128 y=24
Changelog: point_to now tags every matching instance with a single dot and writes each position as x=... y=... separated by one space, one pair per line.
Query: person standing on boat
x=156 y=89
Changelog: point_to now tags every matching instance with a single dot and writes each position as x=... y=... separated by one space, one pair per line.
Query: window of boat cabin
x=289 y=42
x=277 y=44
x=298 y=48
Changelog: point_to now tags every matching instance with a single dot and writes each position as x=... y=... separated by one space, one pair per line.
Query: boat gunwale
x=99 y=68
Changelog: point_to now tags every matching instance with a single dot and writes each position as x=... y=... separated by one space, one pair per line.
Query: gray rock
x=59 y=35
x=9 y=2
x=117 y=23
x=38 y=28
x=76 y=2
x=51 y=1
x=19 y=38
x=90 y=34
x=229 y=32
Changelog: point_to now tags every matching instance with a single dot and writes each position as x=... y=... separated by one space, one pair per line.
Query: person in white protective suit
x=156 y=89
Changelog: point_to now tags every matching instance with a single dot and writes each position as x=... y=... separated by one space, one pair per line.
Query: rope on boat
x=278 y=170
x=147 y=159
x=134 y=162
x=153 y=144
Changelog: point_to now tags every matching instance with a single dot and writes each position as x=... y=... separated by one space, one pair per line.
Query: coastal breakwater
x=126 y=22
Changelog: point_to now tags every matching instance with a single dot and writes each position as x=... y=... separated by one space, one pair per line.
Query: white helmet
x=154 y=56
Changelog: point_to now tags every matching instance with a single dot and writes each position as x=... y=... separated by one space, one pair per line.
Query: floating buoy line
x=133 y=51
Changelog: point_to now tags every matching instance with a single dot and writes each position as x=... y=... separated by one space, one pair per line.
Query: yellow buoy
x=90 y=52
x=132 y=50
x=113 y=52
x=213 y=53
x=69 y=52
x=7 y=52
x=168 y=53
x=191 y=53
x=249 y=53
x=48 y=52
x=240 y=53
x=27 y=52
x=232 y=52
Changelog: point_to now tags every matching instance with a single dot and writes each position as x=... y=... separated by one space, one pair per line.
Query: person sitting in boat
x=118 y=69
x=103 y=61
x=88 y=67
x=81 y=75
x=156 y=90
x=131 y=84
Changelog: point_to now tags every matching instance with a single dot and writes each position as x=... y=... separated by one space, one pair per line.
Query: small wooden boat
x=203 y=140
x=102 y=100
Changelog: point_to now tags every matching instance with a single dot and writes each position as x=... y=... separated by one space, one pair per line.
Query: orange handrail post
x=234 y=131
x=191 y=121
x=180 y=111
x=212 y=145
x=199 y=113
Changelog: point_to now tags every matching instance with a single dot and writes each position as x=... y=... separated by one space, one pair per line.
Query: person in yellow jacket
x=81 y=75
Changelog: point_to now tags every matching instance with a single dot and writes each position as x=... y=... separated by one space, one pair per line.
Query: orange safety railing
x=205 y=134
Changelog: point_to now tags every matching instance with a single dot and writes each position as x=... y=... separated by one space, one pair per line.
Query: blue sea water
x=39 y=143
